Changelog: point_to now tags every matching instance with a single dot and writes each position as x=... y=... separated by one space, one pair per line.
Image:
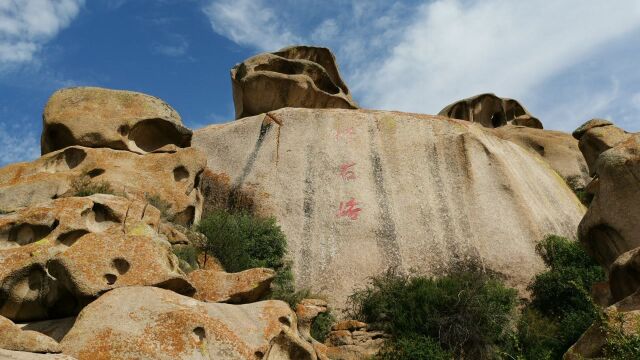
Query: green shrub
x=468 y=312
x=414 y=347
x=321 y=325
x=83 y=186
x=188 y=254
x=159 y=203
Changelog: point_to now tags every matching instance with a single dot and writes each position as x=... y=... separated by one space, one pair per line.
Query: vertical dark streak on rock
x=457 y=169
x=308 y=209
x=386 y=235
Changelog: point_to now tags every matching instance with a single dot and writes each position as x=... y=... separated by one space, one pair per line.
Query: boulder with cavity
x=12 y=337
x=235 y=288
x=116 y=119
x=297 y=76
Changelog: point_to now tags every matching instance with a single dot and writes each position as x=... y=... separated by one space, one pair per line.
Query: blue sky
x=567 y=61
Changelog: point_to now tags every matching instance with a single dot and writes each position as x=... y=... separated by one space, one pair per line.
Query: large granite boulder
x=235 y=288
x=58 y=256
x=152 y=323
x=297 y=76
x=491 y=111
x=12 y=337
x=357 y=192
x=558 y=149
x=597 y=136
x=117 y=119
x=168 y=180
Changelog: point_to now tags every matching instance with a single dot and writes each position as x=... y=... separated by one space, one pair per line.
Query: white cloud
x=27 y=24
x=249 y=22
x=17 y=144
x=176 y=46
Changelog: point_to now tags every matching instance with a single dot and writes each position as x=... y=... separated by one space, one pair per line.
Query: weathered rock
x=597 y=136
x=298 y=76
x=357 y=192
x=16 y=339
x=170 y=178
x=236 y=288
x=144 y=322
x=60 y=255
x=610 y=226
x=117 y=119
x=21 y=355
x=350 y=340
x=55 y=328
x=491 y=111
x=558 y=149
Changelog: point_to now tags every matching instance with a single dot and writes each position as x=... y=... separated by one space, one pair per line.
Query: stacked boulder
x=87 y=234
x=610 y=230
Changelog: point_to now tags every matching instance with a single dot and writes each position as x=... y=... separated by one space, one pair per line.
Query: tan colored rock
x=145 y=322
x=297 y=76
x=350 y=340
x=597 y=136
x=624 y=275
x=610 y=227
x=117 y=119
x=59 y=255
x=306 y=311
x=350 y=325
x=16 y=339
x=21 y=355
x=559 y=149
x=171 y=176
x=491 y=111
x=54 y=328
x=358 y=191
x=236 y=288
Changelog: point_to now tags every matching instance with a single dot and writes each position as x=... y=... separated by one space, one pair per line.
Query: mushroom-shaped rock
x=597 y=136
x=152 y=323
x=236 y=288
x=16 y=339
x=491 y=111
x=297 y=76
x=560 y=150
x=167 y=180
x=117 y=119
x=58 y=256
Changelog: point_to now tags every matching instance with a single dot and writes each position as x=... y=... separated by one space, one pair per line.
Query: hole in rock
x=95 y=172
x=152 y=134
x=259 y=354
x=121 y=265
x=56 y=137
x=74 y=157
x=123 y=130
x=24 y=234
x=199 y=334
x=70 y=238
x=284 y=320
x=103 y=214
x=185 y=217
x=180 y=173
x=110 y=278
x=497 y=120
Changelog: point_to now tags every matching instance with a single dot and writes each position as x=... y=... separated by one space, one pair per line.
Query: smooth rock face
x=117 y=119
x=14 y=338
x=57 y=257
x=357 y=192
x=597 y=136
x=491 y=111
x=173 y=176
x=559 y=149
x=151 y=323
x=236 y=288
x=298 y=76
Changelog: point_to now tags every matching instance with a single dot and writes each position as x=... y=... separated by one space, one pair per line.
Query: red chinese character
x=345 y=134
x=347 y=172
x=349 y=209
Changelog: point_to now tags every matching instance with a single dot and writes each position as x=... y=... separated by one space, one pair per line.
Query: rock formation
x=298 y=76
x=358 y=191
x=116 y=119
x=237 y=288
x=491 y=111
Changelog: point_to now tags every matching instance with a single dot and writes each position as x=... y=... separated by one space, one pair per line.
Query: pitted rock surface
x=145 y=322
x=491 y=111
x=117 y=119
x=357 y=192
x=235 y=288
x=298 y=76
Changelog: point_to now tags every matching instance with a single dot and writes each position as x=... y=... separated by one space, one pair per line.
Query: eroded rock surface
x=145 y=322
x=491 y=111
x=117 y=119
x=16 y=339
x=236 y=288
x=170 y=178
x=351 y=340
x=357 y=192
x=595 y=137
x=298 y=76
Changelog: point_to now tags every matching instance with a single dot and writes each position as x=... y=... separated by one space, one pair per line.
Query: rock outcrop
x=597 y=136
x=297 y=76
x=144 y=323
x=116 y=119
x=235 y=288
x=491 y=111
x=166 y=177
x=16 y=339
x=351 y=340
x=357 y=192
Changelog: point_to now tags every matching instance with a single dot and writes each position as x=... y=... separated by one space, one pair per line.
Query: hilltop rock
x=236 y=288
x=169 y=180
x=560 y=150
x=491 y=111
x=57 y=257
x=297 y=76
x=144 y=323
x=357 y=192
x=117 y=119
x=14 y=338
x=597 y=136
